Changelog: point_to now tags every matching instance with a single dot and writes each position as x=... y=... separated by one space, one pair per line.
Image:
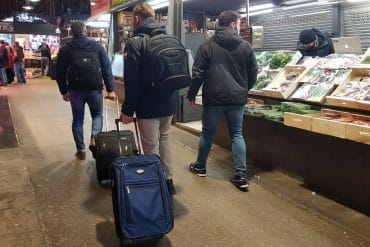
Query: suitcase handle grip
x=117 y=121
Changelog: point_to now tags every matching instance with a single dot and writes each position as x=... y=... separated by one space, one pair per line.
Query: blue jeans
x=3 y=77
x=234 y=118
x=94 y=100
x=19 y=73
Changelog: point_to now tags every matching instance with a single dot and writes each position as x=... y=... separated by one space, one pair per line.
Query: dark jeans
x=94 y=100
x=19 y=72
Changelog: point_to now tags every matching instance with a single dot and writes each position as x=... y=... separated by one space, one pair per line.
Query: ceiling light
x=355 y=1
x=261 y=12
x=27 y=7
x=92 y=4
x=34 y=1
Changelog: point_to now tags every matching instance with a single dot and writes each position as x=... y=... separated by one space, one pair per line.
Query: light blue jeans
x=94 y=100
x=234 y=117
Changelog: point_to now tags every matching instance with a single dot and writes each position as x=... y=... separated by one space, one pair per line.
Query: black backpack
x=165 y=63
x=85 y=68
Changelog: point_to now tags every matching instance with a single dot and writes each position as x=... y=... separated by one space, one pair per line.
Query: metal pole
x=247 y=11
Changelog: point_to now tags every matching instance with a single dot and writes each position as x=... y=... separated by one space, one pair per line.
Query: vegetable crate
x=285 y=82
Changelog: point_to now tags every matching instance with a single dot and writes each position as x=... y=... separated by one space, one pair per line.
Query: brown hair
x=144 y=10
x=226 y=17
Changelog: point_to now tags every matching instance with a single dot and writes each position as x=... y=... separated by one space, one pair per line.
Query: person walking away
x=3 y=63
x=81 y=66
x=45 y=58
x=9 y=70
x=226 y=66
x=314 y=43
x=153 y=109
x=18 y=62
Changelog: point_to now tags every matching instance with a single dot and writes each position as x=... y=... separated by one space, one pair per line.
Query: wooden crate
x=364 y=105
x=342 y=102
x=299 y=121
x=332 y=127
x=358 y=133
x=280 y=78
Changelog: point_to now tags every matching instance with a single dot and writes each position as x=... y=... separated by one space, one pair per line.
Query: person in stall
x=314 y=43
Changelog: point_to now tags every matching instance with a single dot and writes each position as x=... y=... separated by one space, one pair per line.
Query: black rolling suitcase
x=107 y=147
x=142 y=204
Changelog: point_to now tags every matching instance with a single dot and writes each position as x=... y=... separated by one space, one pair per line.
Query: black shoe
x=195 y=168
x=170 y=187
x=93 y=150
x=240 y=181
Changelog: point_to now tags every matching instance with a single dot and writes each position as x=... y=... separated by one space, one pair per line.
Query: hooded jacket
x=227 y=68
x=64 y=61
x=139 y=98
x=324 y=48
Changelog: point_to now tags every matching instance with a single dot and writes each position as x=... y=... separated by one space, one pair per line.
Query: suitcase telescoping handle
x=106 y=112
x=117 y=121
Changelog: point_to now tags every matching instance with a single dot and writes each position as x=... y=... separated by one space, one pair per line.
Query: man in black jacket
x=314 y=43
x=226 y=66
x=4 y=61
x=153 y=110
x=84 y=84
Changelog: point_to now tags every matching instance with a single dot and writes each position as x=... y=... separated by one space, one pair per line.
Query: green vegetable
x=279 y=60
x=366 y=60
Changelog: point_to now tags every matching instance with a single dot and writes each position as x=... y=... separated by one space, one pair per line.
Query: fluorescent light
x=92 y=4
x=300 y=5
x=27 y=7
x=99 y=24
x=261 y=12
x=104 y=17
x=157 y=4
x=356 y=1
x=34 y=1
x=257 y=7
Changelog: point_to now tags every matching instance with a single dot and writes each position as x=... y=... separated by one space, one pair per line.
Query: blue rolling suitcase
x=142 y=205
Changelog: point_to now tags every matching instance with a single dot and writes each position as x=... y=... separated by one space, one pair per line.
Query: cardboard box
x=273 y=89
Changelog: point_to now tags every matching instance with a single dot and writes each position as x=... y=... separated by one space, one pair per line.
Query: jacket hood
x=227 y=37
x=148 y=26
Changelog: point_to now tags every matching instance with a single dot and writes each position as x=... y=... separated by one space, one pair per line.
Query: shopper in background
x=9 y=70
x=45 y=58
x=18 y=62
x=314 y=43
x=153 y=110
x=3 y=63
x=226 y=66
x=86 y=63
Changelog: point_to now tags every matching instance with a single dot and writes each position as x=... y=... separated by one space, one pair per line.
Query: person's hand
x=192 y=104
x=111 y=95
x=66 y=97
x=125 y=119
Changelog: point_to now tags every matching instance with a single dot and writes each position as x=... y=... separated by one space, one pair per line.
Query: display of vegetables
x=262 y=82
x=314 y=93
x=366 y=60
x=279 y=60
x=285 y=84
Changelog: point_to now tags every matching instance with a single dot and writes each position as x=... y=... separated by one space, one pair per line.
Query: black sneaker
x=170 y=187
x=240 y=181
x=195 y=168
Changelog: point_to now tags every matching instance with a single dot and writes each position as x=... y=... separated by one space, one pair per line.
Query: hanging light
x=34 y=1
x=27 y=7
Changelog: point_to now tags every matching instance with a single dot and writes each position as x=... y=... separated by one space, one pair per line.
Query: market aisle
x=47 y=198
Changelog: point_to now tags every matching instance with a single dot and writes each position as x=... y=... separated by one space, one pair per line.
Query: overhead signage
x=99 y=7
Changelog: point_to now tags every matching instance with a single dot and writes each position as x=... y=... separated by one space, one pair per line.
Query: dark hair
x=78 y=28
x=227 y=17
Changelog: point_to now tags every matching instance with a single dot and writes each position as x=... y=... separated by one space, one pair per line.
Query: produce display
x=279 y=60
x=333 y=61
x=353 y=90
x=352 y=119
x=328 y=76
x=285 y=84
x=311 y=92
x=366 y=60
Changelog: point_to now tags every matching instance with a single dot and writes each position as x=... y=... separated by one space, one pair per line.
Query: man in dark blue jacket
x=153 y=110
x=314 y=43
x=81 y=65
x=226 y=66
